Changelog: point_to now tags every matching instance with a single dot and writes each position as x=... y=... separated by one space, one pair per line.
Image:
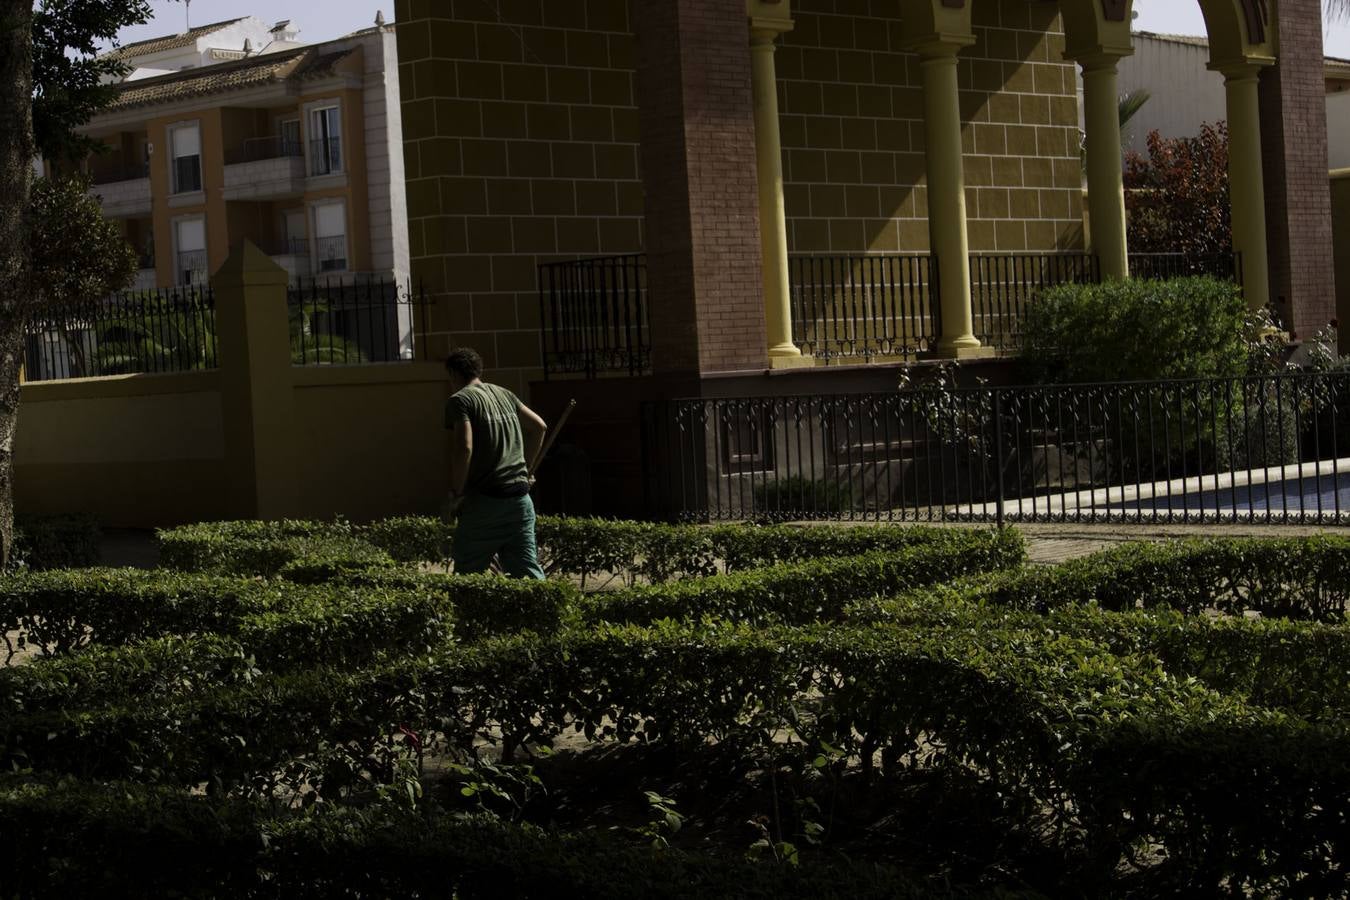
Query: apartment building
x=237 y=130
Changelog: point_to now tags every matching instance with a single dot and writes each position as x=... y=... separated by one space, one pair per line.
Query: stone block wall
x=522 y=146
x=853 y=133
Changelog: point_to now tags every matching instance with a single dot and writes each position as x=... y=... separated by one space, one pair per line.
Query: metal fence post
x=998 y=455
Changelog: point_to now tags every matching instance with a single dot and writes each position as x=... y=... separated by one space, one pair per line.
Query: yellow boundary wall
x=256 y=438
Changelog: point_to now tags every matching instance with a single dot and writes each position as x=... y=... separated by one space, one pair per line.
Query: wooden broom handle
x=552 y=435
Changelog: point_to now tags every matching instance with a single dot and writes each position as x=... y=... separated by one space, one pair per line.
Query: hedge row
x=69 y=838
x=1304 y=578
x=58 y=612
x=1058 y=725
x=583 y=548
x=1296 y=666
x=55 y=542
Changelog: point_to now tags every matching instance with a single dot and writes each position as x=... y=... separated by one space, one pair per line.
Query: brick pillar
x=704 y=272
x=1294 y=150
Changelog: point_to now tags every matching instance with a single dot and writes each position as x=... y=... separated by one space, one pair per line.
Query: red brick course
x=698 y=162
x=1294 y=149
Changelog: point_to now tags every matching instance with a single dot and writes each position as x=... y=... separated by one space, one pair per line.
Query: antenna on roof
x=187 y=13
x=379 y=18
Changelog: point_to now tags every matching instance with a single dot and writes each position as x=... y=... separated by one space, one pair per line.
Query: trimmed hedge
x=56 y=542
x=816 y=591
x=64 y=611
x=1305 y=578
x=68 y=838
x=584 y=548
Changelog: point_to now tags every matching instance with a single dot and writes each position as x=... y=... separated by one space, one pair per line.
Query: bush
x=56 y=542
x=799 y=495
x=68 y=838
x=1138 y=330
x=1287 y=578
x=815 y=591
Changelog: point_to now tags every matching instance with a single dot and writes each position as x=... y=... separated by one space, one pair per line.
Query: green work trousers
x=496 y=526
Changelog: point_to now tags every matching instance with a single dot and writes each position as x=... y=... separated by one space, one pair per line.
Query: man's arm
x=533 y=428
x=461 y=451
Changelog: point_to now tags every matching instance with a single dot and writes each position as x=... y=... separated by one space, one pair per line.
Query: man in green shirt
x=493 y=435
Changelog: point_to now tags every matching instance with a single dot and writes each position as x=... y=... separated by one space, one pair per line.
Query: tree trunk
x=16 y=180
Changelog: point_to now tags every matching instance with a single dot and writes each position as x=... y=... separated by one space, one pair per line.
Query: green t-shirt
x=497 y=467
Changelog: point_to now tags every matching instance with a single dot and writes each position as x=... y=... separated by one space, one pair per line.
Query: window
x=330 y=237
x=290 y=138
x=190 y=245
x=325 y=142
x=185 y=143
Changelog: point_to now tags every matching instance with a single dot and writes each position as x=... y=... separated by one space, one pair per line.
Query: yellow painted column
x=772 y=214
x=257 y=387
x=1246 y=185
x=947 y=195
x=1105 y=172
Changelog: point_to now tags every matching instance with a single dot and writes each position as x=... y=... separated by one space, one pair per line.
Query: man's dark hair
x=465 y=362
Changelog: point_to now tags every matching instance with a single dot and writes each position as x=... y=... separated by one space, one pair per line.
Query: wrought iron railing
x=593 y=315
x=286 y=246
x=192 y=267
x=331 y=253
x=130 y=333
x=864 y=306
x=260 y=148
x=115 y=173
x=1178 y=265
x=352 y=322
x=1273 y=448
x=325 y=156
x=1001 y=286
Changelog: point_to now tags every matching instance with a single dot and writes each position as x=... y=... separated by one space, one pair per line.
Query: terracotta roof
x=292 y=65
x=168 y=41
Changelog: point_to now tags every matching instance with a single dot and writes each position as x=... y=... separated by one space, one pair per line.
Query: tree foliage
x=77 y=254
x=1176 y=200
x=68 y=74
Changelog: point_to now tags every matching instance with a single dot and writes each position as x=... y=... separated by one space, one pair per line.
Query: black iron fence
x=355 y=322
x=1001 y=286
x=1178 y=265
x=1271 y=448
x=864 y=306
x=130 y=333
x=593 y=315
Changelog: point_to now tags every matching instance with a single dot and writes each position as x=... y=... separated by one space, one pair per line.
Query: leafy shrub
x=798 y=494
x=486 y=605
x=56 y=542
x=69 y=838
x=1177 y=199
x=1138 y=330
x=411 y=538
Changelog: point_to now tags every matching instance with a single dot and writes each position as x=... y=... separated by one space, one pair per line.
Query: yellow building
x=236 y=131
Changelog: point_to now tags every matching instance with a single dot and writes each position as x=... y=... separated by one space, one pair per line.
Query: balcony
x=144 y=280
x=292 y=254
x=267 y=168
x=124 y=192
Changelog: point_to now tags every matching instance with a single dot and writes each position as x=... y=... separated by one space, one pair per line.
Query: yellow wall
x=371 y=440
x=134 y=450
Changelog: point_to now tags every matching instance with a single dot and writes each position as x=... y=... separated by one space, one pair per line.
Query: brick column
x=1294 y=147
x=704 y=273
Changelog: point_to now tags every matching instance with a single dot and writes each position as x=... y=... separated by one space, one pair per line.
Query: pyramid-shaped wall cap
x=248 y=265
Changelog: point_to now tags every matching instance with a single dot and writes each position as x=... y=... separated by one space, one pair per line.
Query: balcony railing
x=325 y=156
x=287 y=246
x=594 y=315
x=864 y=306
x=192 y=267
x=1001 y=286
x=331 y=253
x=262 y=148
x=115 y=174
